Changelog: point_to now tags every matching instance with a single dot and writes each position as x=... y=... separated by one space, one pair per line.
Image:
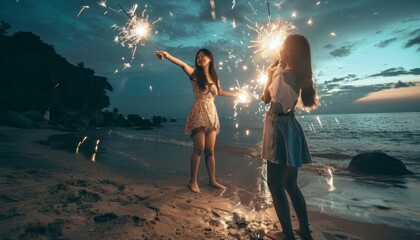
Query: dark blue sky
x=365 y=53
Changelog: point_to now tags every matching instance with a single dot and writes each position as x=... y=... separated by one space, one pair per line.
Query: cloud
x=342 y=51
x=391 y=72
x=385 y=42
x=400 y=84
x=329 y=46
x=412 y=42
x=394 y=94
x=348 y=78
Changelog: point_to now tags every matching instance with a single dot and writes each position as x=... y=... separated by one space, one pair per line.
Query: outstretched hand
x=161 y=54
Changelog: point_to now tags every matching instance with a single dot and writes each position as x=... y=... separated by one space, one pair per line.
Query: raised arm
x=266 y=97
x=187 y=69
x=224 y=93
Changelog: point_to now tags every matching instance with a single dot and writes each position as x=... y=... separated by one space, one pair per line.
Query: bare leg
x=298 y=201
x=275 y=179
x=210 y=159
x=198 y=140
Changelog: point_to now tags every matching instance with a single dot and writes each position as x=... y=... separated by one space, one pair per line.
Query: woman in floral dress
x=202 y=122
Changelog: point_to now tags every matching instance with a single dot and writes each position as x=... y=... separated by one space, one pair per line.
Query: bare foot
x=217 y=185
x=194 y=187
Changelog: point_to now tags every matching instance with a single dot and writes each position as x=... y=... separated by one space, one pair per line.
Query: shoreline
x=54 y=193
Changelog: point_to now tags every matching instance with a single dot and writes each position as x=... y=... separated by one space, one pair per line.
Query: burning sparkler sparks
x=270 y=38
x=102 y=3
x=136 y=31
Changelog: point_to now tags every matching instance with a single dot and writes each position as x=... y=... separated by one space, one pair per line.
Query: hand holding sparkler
x=273 y=67
x=161 y=54
x=266 y=98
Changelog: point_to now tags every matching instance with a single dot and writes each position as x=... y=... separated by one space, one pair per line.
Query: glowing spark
x=333 y=34
x=319 y=121
x=244 y=67
x=81 y=10
x=58 y=84
x=233 y=23
x=136 y=31
x=233 y=3
x=294 y=14
x=213 y=11
x=243 y=97
x=170 y=13
x=252 y=8
x=310 y=22
x=116 y=71
x=318 y=3
x=236 y=125
x=224 y=19
x=126 y=65
x=247 y=132
x=102 y=3
x=151 y=88
x=262 y=77
x=270 y=38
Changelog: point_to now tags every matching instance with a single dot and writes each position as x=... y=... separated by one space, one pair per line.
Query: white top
x=280 y=90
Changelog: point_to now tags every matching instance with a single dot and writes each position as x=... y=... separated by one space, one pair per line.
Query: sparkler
x=270 y=37
x=136 y=31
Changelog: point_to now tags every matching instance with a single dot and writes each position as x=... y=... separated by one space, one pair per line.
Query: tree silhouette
x=34 y=77
x=4 y=27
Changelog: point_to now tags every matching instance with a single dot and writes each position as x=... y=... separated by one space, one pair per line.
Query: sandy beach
x=48 y=193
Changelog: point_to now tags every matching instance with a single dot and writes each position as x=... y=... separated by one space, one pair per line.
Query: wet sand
x=52 y=193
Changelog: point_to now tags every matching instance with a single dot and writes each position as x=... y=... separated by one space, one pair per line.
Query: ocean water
x=326 y=183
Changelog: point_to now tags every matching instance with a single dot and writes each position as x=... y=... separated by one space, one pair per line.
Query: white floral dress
x=203 y=113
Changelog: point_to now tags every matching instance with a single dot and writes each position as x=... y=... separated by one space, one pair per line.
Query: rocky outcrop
x=14 y=119
x=377 y=163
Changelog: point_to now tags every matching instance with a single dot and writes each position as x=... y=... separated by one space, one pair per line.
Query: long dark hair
x=199 y=71
x=296 y=53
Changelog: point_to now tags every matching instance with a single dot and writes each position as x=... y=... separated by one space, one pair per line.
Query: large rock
x=377 y=163
x=15 y=119
x=136 y=120
x=35 y=116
